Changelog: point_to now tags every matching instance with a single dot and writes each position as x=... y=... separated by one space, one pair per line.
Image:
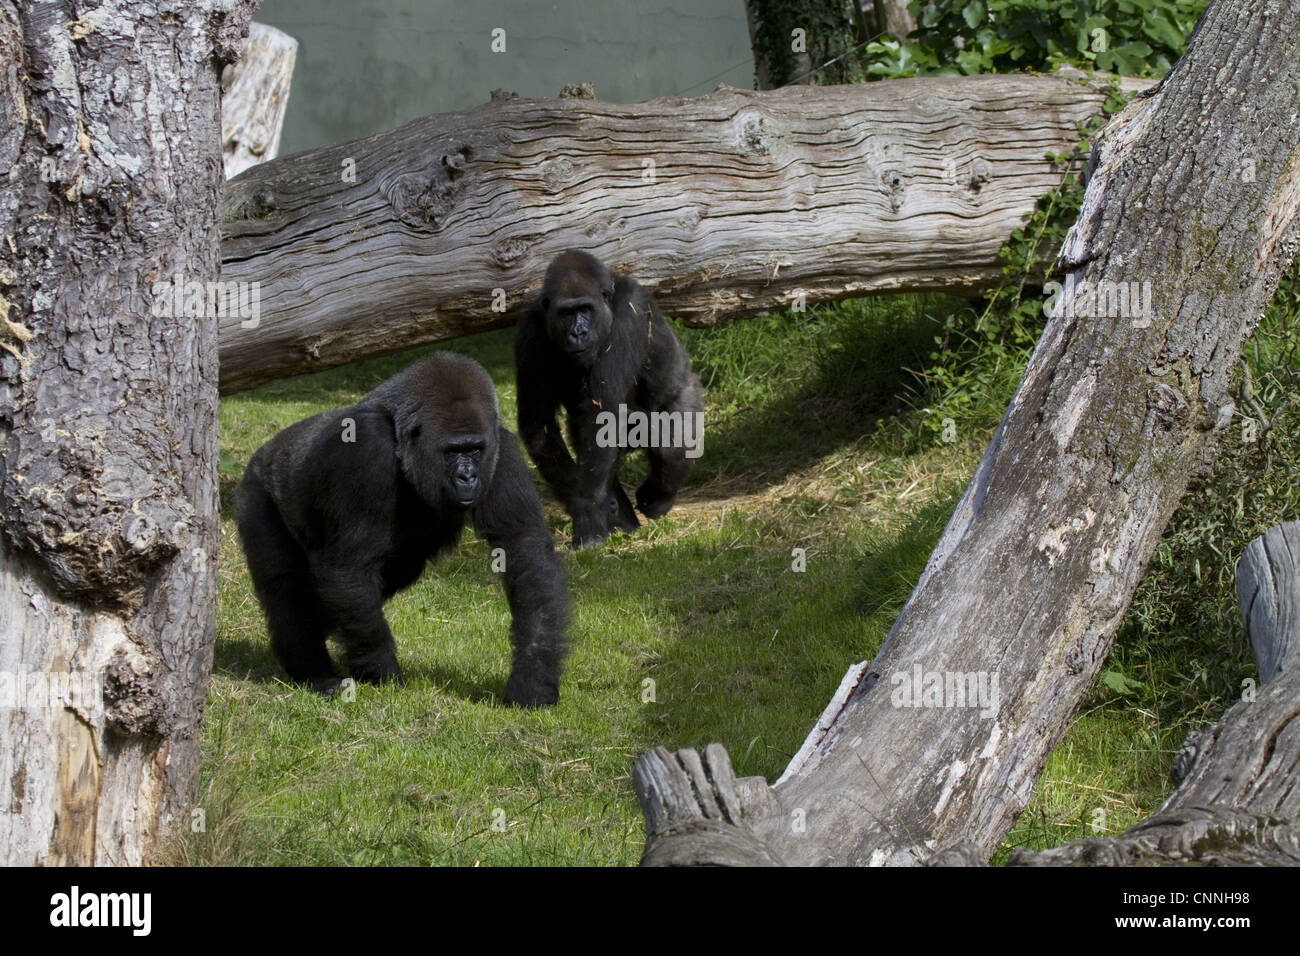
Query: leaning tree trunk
x=1237 y=801
x=1195 y=194
x=731 y=204
x=108 y=425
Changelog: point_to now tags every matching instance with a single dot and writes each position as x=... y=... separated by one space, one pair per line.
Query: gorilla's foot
x=531 y=690
x=653 y=501
x=377 y=668
x=327 y=686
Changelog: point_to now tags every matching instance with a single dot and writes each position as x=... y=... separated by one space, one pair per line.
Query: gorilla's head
x=576 y=298
x=445 y=418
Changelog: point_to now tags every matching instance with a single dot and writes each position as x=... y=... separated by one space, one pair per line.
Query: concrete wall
x=366 y=67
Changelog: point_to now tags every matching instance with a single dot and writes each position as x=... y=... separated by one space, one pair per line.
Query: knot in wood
x=557 y=174
x=424 y=198
x=509 y=251
x=1188 y=753
x=247 y=202
x=132 y=702
x=980 y=173
x=892 y=181
x=578 y=91
x=1166 y=406
x=753 y=135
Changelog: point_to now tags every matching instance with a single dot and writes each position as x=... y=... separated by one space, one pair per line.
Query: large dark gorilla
x=342 y=510
x=595 y=344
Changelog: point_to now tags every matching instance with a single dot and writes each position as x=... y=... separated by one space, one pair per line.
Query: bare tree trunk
x=1194 y=198
x=883 y=16
x=736 y=203
x=897 y=21
x=794 y=67
x=108 y=425
x=1237 y=802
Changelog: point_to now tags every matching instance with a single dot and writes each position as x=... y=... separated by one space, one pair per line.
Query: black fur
x=332 y=528
x=593 y=341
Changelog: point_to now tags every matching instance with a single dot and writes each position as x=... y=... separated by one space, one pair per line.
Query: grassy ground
x=696 y=629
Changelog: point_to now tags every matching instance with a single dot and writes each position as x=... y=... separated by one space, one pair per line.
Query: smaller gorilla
x=342 y=510
x=595 y=343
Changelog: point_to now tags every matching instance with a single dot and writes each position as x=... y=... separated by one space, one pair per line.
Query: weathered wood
x=1268 y=589
x=110 y=138
x=1238 y=801
x=731 y=204
x=684 y=793
x=1195 y=193
x=254 y=98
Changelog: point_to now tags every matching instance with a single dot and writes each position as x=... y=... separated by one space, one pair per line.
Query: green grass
x=817 y=439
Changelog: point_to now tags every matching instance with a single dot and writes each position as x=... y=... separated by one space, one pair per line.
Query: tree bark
x=736 y=203
x=255 y=97
x=898 y=22
x=1195 y=193
x=884 y=16
x=108 y=425
x=1237 y=802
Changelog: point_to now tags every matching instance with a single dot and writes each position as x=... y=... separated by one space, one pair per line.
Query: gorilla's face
x=446 y=423
x=462 y=465
x=576 y=298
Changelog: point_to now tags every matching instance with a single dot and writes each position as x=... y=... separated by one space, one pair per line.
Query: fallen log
x=731 y=204
x=1194 y=197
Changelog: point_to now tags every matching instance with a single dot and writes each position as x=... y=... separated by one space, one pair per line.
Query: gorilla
x=342 y=510
x=596 y=344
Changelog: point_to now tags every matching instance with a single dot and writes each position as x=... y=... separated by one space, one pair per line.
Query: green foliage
x=982 y=349
x=1127 y=37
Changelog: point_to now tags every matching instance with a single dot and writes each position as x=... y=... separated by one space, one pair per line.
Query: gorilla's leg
x=295 y=618
x=669 y=467
x=623 y=517
x=353 y=595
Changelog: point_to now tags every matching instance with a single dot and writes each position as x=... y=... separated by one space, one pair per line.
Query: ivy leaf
x=973 y=13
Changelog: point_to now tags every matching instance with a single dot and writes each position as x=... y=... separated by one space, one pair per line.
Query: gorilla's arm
x=511 y=518
x=538 y=403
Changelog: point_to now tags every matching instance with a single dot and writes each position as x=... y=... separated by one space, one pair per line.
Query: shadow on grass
x=857 y=372
x=252 y=661
x=757 y=650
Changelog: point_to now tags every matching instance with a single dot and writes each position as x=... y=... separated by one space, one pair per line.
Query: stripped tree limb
x=1194 y=198
x=255 y=97
x=731 y=204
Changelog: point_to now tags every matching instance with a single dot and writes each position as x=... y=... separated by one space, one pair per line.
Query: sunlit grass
x=697 y=629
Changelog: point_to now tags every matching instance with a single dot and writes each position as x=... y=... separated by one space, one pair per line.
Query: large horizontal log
x=731 y=204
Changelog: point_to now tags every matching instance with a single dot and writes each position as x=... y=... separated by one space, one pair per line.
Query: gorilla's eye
x=608 y=295
x=415 y=432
